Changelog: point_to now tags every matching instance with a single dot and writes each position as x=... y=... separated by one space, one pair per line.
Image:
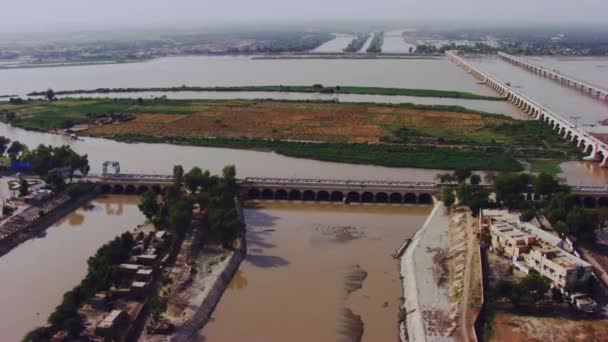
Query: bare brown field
x=327 y=122
x=509 y=327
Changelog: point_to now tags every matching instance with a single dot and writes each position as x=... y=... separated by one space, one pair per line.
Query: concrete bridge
x=333 y=190
x=130 y=183
x=587 y=88
x=322 y=190
x=597 y=150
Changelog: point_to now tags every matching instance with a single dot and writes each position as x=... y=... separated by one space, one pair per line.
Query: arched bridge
x=130 y=183
x=590 y=89
x=322 y=190
x=333 y=190
x=597 y=150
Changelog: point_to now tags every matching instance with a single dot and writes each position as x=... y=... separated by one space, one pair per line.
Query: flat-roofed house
x=563 y=268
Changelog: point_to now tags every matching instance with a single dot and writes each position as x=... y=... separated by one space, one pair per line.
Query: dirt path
x=471 y=297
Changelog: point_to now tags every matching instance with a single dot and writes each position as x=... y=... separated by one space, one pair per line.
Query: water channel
x=437 y=73
x=37 y=273
x=300 y=280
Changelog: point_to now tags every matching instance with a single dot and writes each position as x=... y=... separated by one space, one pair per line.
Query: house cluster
x=532 y=248
x=110 y=314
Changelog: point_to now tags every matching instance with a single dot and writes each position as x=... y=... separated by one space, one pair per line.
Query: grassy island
x=397 y=135
x=318 y=88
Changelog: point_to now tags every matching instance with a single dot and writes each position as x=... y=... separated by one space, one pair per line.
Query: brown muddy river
x=37 y=273
x=317 y=273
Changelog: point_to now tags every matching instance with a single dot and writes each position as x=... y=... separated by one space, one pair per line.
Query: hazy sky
x=30 y=15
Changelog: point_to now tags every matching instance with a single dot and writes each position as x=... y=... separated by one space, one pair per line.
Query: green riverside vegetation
x=317 y=88
x=354 y=153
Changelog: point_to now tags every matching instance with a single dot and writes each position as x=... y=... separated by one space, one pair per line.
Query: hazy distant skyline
x=36 y=15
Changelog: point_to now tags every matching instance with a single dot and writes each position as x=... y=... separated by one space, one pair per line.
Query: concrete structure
x=110 y=326
x=315 y=189
x=350 y=191
x=512 y=240
x=597 y=150
x=531 y=247
x=586 y=87
x=564 y=269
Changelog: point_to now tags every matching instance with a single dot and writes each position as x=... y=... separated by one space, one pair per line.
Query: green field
x=397 y=135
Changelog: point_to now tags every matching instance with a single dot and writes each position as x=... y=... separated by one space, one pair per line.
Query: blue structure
x=21 y=166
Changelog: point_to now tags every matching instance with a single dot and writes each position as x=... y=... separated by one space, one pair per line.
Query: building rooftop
x=108 y=321
x=504 y=218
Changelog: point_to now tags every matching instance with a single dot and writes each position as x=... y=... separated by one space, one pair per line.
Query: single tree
x=475 y=179
x=23 y=187
x=178 y=175
x=4 y=141
x=149 y=205
x=448 y=197
x=50 y=94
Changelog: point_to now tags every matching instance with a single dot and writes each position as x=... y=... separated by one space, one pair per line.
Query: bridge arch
x=353 y=196
x=142 y=189
x=118 y=189
x=410 y=198
x=382 y=197
x=367 y=197
x=130 y=189
x=602 y=202
x=106 y=188
x=589 y=202
x=396 y=197
x=425 y=199
x=280 y=194
x=267 y=194
x=337 y=196
x=308 y=195
x=295 y=194
x=253 y=194
x=323 y=196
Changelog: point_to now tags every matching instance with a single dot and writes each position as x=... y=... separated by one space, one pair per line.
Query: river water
x=437 y=73
x=567 y=102
x=591 y=69
x=37 y=273
x=302 y=262
x=338 y=44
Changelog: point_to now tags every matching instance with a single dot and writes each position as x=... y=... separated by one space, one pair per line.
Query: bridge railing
x=569 y=78
x=542 y=108
x=319 y=181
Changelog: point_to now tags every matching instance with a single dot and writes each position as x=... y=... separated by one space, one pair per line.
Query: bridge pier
x=530 y=107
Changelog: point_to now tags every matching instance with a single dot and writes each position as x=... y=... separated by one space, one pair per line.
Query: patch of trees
x=216 y=193
x=478 y=48
x=456 y=188
x=293 y=43
x=376 y=44
x=102 y=273
x=551 y=199
x=357 y=43
x=530 y=290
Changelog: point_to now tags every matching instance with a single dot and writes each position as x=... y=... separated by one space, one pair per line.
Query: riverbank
x=45 y=216
x=69 y=63
x=288 y=89
x=433 y=271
